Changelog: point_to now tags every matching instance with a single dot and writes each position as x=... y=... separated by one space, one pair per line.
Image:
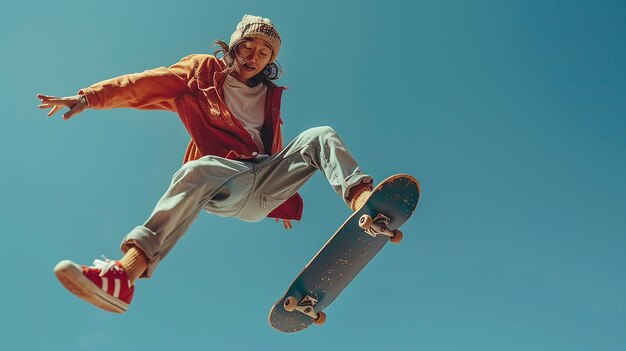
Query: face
x=252 y=56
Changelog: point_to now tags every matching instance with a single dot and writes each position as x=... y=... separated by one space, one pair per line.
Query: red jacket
x=193 y=88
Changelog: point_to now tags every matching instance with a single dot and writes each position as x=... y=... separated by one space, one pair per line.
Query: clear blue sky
x=511 y=113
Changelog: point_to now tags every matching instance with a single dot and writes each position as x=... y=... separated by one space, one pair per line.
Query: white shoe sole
x=71 y=276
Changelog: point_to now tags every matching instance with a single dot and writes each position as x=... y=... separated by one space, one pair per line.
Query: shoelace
x=105 y=266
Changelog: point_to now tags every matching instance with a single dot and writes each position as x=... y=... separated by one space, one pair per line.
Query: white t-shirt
x=248 y=105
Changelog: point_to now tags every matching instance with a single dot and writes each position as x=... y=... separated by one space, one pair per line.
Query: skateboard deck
x=347 y=252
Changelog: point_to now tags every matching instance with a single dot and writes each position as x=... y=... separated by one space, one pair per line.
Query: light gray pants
x=245 y=190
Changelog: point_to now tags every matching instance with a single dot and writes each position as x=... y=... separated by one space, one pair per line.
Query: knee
x=189 y=171
x=324 y=131
x=320 y=134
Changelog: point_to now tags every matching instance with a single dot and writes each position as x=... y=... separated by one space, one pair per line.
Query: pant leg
x=217 y=184
x=279 y=177
x=248 y=191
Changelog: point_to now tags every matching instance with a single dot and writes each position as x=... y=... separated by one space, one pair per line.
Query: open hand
x=76 y=104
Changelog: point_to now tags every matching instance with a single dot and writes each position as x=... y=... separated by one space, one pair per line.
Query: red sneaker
x=105 y=284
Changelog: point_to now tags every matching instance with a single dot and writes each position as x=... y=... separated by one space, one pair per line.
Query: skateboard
x=347 y=252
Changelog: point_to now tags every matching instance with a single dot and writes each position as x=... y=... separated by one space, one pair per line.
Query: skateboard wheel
x=365 y=222
x=290 y=304
x=397 y=236
x=321 y=318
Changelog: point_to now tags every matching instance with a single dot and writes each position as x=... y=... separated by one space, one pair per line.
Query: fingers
x=76 y=109
x=47 y=98
x=52 y=102
x=69 y=114
x=54 y=110
x=76 y=104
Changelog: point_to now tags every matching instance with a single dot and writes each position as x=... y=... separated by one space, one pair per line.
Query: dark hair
x=272 y=71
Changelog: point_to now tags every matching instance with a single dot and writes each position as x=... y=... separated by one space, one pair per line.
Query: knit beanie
x=257 y=27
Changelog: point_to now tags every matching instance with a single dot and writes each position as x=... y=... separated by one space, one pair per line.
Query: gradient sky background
x=512 y=114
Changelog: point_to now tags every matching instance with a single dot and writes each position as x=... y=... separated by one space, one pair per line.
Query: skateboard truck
x=306 y=306
x=378 y=226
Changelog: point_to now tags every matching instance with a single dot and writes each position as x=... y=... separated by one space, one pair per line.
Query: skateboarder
x=235 y=164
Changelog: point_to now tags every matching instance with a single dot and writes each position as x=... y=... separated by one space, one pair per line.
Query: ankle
x=135 y=263
x=359 y=195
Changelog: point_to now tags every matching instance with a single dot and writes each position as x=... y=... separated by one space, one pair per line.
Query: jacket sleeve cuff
x=92 y=98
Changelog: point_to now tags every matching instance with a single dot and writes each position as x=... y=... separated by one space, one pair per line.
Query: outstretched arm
x=152 y=89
